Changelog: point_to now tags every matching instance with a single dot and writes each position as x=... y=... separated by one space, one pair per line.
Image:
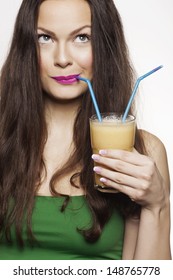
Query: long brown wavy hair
x=23 y=131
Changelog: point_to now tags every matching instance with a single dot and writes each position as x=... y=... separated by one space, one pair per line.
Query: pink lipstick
x=66 y=80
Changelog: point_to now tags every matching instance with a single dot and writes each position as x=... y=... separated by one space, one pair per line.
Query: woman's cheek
x=85 y=60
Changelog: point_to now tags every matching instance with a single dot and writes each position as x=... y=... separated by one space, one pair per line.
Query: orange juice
x=111 y=133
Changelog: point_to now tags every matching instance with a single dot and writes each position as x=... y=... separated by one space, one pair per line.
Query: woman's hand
x=133 y=174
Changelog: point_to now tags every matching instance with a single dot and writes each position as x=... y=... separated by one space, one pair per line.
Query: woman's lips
x=66 y=80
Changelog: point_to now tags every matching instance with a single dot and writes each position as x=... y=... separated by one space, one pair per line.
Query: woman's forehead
x=64 y=13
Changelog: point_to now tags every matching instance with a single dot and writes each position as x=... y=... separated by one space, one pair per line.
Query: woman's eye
x=82 y=38
x=44 y=39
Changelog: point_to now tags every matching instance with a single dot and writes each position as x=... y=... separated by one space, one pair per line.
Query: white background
x=148 y=27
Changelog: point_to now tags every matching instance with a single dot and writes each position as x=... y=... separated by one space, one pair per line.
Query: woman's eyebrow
x=52 y=34
x=46 y=31
x=79 y=29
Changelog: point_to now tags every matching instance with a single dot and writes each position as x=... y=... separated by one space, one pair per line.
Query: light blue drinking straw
x=93 y=97
x=135 y=90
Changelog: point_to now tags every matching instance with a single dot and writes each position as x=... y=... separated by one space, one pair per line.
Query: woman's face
x=64 y=36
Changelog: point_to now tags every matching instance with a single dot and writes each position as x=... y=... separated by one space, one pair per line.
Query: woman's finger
x=117 y=177
x=134 y=194
x=137 y=171
x=133 y=157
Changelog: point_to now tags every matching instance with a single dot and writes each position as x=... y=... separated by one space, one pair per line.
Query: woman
x=48 y=206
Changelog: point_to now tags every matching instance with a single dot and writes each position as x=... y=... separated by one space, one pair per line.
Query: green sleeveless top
x=57 y=235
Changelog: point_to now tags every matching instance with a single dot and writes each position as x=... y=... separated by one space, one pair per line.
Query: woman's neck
x=59 y=146
x=60 y=118
x=61 y=113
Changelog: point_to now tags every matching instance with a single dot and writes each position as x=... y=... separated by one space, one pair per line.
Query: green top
x=57 y=235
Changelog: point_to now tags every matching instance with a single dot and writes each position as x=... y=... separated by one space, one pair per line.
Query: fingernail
x=103 y=152
x=97 y=169
x=96 y=157
x=103 y=180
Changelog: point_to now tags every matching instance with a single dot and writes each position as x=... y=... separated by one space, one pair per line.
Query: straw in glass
x=93 y=97
x=135 y=90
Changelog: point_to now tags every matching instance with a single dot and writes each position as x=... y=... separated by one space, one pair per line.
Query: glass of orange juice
x=111 y=133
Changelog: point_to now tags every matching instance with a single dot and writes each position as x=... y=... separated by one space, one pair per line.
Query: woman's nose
x=62 y=57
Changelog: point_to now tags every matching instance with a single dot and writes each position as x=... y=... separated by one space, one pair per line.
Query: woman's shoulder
x=152 y=142
x=157 y=152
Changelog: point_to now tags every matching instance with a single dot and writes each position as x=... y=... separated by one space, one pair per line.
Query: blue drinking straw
x=135 y=90
x=93 y=97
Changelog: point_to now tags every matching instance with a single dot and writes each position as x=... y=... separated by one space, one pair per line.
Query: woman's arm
x=153 y=240
x=144 y=179
x=130 y=238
